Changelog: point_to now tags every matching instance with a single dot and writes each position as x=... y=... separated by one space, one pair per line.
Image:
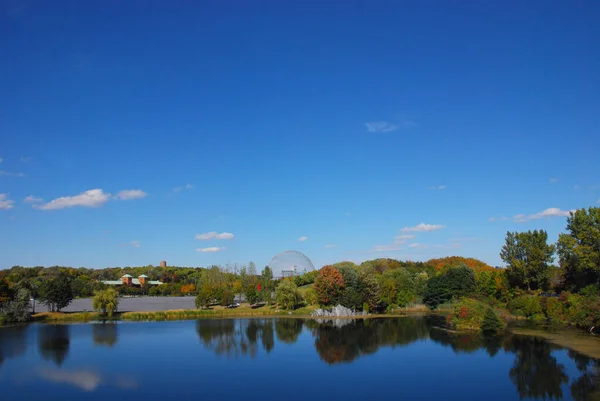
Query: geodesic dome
x=290 y=263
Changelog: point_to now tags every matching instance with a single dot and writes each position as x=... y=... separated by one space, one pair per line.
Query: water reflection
x=105 y=334
x=85 y=380
x=13 y=342
x=538 y=370
x=53 y=342
x=535 y=373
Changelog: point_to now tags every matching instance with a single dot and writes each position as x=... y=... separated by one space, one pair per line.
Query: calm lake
x=285 y=359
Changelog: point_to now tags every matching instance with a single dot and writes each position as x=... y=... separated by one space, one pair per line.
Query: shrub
x=526 y=305
x=310 y=297
x=491 y=323
x=554 y=310
x=468 y=314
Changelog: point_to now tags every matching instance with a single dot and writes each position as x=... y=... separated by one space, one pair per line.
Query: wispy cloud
x=492 y=219
x=185 y=187
x=386 y=126
x=415 y=245
x=381 y=126
x=553 y=180
x=422 y=228
x=91 y=198
x=440 y=187
x=550 y=212
x=329 y=246
x=1 y=160
x=129 y=194
x=347 y=214
x=302 y=239
x=215 y=235
x=387 y=248
x=211 y=249
x=5 y=203
x=11 y=174
x=135 y=244
x=404 y=237
x=26 y=159
x=32 y=199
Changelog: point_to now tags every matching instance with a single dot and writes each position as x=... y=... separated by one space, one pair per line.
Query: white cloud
x=329 y=246
x=135 y=244
x=32 y=199
x=422 y=228
x=387 y=248
x=91 y=198
x=26 y=159
x=404 y=237
x=553 y=180
x=302 y=239
x=129 y=194
x=6 y=203
x=11 y=174
x=224 y=236
x=186 y=187
x=381 y=126
x=415 y=245
x=211 y=249
x=492 y=219
x=214 y=235
x=440 y=187
x=550 y=212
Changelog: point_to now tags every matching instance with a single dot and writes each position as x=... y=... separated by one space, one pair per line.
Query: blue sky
x=228 y=131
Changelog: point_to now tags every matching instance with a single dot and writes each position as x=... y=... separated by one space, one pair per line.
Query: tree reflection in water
x=288 y=330
x=231 y=337
x=105 y=333
x=13 y=342
x=587 y=386
x=53 y=342
x=535 y=372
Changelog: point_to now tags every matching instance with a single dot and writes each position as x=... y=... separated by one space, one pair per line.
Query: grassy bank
x=180 y=314
x=214 y=312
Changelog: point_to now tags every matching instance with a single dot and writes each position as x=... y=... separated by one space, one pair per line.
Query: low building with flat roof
x=129 y=281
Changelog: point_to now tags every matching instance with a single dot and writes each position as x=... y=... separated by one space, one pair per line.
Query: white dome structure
x=290 y=263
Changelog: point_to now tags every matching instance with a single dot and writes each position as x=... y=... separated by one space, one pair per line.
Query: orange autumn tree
x=475 y=264
x=329 y=285
x=188 y=289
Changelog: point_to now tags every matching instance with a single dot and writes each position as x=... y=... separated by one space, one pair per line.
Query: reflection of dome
x=290 y=263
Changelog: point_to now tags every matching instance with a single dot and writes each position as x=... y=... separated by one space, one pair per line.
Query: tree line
x=523 y=287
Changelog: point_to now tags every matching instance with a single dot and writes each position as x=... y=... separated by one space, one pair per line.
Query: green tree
x=528 y=256
x=227 y=297
x=452 y=282
x=368 y=288
x=205 y=296
x=106 y=301
x=287 y=295
x=17 y=309
x=266 y=279
x=57 y=292
x=252 y=295
x=579 y=249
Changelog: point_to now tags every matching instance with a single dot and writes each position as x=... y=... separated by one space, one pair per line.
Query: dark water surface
x=285 y=359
